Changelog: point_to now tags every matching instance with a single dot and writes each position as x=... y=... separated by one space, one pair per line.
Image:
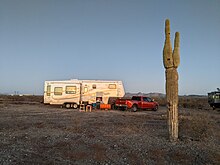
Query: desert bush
x=20 y=99
x=196 y=127
x=193 y=102
x=160 y=100
x=187 y=102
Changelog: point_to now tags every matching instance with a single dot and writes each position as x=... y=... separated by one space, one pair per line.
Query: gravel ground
x=33 y=133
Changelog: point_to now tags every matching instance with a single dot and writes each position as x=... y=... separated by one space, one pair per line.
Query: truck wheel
x=134 y=108
x=155 y=108
x=67 y=105
x=113 y=106
x=75 y=106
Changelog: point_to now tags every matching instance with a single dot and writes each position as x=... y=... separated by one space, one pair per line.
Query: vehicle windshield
x=147 y=99
x=136 y=98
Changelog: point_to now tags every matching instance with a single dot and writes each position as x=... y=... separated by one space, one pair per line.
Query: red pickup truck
x=137 y=102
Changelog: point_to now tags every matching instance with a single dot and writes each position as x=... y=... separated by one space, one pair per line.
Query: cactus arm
x=167 y=50
x=176 y=51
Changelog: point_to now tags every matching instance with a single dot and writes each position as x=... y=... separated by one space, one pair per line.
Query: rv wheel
x=67 y=105
x=75 y=106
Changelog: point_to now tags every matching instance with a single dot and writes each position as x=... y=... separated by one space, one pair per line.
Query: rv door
x=47 y=93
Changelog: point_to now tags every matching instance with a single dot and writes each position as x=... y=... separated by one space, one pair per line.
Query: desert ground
x=34 y=133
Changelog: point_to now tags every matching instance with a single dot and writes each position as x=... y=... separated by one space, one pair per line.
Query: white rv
x=71 y=93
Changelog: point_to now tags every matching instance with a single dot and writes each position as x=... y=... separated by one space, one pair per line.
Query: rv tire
x=68 y=105
x=75 y=106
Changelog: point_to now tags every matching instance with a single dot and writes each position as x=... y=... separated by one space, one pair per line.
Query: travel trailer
x=72 y=93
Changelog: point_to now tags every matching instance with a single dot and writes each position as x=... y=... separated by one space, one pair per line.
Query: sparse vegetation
x=194 y=102
x=197 y=127
x=36 y=133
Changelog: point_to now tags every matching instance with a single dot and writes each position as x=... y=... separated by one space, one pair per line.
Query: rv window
x=94 y=86
x=70 y=89
x=58 y=90
x=85 y=89
x=48 y=90
x=145 y=99
x=112 y=86
x=217 y=96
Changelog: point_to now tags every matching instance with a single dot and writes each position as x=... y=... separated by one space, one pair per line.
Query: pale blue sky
x=107 y=39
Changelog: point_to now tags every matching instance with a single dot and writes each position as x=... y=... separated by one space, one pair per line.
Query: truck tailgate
x=121 y=101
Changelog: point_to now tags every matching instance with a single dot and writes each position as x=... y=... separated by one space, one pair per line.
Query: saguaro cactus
x=171 y=61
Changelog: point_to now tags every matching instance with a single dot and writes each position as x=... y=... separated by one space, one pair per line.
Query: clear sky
x=110 y=40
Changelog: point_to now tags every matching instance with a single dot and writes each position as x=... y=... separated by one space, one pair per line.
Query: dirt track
x=39 y=134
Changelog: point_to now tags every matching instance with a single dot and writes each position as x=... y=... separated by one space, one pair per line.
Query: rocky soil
x=33 y=133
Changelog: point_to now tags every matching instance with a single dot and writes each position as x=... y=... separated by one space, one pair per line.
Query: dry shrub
x=20 y=99
x=196 y=127
x=129 y=128
x=198 y=102
x=98 y=152
x=134 y=158
x=75 y=127
x=160 y=100
x=3 y=105
x=156 y=153
x=76 y=155
x=178 y=157
x=193 y=102
x=39 y=125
